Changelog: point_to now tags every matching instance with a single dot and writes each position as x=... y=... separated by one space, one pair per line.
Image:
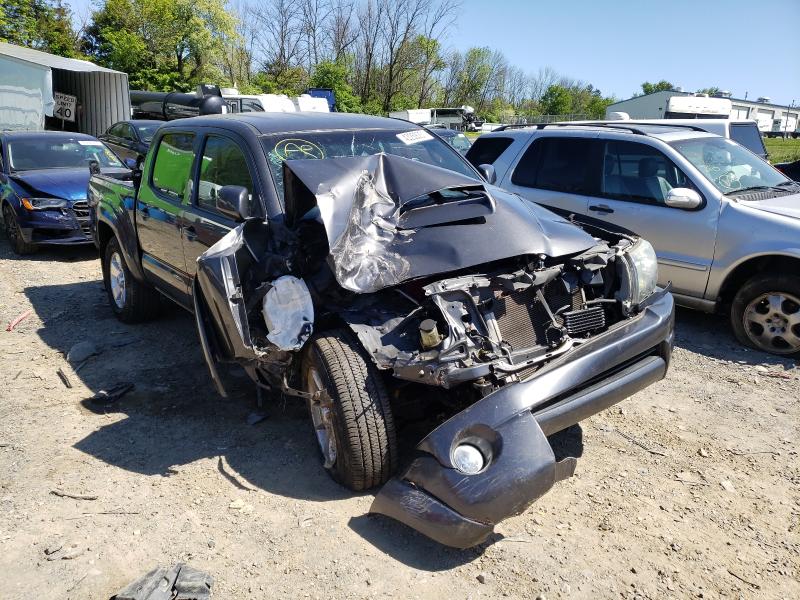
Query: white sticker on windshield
x=89 y=143
x=414 y=137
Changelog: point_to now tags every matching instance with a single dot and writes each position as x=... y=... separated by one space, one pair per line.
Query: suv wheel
x=350 y=411
x=14 y=235
x=765 y=314
x=131 y=300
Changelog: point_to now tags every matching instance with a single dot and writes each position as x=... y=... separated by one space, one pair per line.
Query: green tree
x=40 y=24
x=557 y=100
x=711 y=91
x=661 y=86
x=333 y=75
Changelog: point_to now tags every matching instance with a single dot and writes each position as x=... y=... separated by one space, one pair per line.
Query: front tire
x=765 y=314
x=350 y=413
x=13 y=233
x=131 y=300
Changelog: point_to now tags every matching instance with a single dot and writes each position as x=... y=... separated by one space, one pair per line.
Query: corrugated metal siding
x=103 y=97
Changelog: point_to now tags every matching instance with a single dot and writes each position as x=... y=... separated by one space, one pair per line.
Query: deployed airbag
x=288 y=313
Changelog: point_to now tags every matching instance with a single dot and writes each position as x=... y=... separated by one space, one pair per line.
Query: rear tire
x=13 y=233
x=353 y=419
x=131 y=300
x=765 y=314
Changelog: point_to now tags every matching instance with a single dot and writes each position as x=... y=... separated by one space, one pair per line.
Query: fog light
x=468 y=459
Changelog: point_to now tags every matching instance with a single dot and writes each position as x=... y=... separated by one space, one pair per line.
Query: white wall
x=26 y=94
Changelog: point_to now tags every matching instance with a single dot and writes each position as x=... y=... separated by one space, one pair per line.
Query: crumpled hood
x=787 y=206
x=382 y=230
x=69 y=184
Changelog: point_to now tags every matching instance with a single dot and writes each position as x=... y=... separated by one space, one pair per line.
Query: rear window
x=749 y=137
x=559 y=164
x=486 y=150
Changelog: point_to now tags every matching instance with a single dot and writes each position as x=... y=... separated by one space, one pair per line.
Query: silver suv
x=724 y=223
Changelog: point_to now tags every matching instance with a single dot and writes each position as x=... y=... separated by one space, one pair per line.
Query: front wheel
x=765 y=314
x=131 y=300
x=13 y=233
x=350 y=411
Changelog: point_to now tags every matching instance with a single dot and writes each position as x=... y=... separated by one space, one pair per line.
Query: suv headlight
x=43 y=203
x=638 y=271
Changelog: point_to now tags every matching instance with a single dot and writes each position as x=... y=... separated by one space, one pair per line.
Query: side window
x=639 y=173
x=559 y=164
x=116 y=130
x=223 y=163
x=127 y=133
x=486 y=150
x=173 y=164
x=251 y=105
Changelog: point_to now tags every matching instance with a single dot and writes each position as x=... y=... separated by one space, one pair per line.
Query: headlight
x=468 y=459
x=638 y=270
x=43 y=203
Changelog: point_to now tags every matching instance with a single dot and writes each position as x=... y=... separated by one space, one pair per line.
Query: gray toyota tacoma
x=362 y=265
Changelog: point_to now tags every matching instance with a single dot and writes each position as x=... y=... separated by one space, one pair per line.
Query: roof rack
x=631 y=128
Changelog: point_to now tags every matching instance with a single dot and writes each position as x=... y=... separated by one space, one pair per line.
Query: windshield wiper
x=767 y=188
x=788 y=182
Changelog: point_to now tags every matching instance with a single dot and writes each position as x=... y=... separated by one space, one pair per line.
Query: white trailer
x=421 y=116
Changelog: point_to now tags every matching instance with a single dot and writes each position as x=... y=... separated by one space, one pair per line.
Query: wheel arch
x=753 y=266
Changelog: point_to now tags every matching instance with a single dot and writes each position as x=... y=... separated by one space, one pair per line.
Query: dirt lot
x=688 y=489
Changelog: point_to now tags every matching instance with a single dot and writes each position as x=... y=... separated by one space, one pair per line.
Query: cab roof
x=270 y=123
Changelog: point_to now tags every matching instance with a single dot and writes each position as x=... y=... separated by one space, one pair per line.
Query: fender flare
x=123 y=229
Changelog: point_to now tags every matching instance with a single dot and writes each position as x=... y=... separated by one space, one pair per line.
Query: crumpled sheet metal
x=359 y=200
x=180 y=582
x=288 y=313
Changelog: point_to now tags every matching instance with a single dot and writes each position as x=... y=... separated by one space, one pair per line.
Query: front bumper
x=61 y=227
x=513 y=424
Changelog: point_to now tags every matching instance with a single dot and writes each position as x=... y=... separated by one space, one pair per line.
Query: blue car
x=43 y=180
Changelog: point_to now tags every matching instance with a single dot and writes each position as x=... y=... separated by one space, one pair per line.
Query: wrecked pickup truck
x=363 y=266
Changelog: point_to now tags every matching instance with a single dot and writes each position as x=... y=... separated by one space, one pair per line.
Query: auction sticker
x=414 y=137
x=89 y=143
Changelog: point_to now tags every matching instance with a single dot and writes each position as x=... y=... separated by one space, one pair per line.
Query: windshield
x=727 y=165
x=146 y=132
x=415 y=144
x=58 y=153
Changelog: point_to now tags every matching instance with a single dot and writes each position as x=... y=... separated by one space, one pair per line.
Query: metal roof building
x=30 y=80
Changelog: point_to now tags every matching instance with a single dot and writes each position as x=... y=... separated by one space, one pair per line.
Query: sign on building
x=64 y=106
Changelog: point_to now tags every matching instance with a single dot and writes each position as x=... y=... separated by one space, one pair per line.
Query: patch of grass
x=781 y=150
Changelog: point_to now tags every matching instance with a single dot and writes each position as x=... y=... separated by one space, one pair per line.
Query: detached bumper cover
x=513 y=424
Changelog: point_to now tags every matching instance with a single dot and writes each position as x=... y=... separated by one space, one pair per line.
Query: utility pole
x=786 y=125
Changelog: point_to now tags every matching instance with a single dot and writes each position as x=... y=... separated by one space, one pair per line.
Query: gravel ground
x=687 y=490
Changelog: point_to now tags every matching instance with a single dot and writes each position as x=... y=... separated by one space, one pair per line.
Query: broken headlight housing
x=43 y=203
x=638 y=270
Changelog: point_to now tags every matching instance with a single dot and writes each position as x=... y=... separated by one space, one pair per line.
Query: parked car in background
x=790 y=169
x=131 y=139
x=43 y=181
x=724 y=223
x=456 y=139
x=355 y=263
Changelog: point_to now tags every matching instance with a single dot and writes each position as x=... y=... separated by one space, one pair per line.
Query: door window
x=639 y=173
x=251 y=105
x=117 y=130
x=173 y=164
x=487 y=150
x=127 y=133
x=559 y=164
x=223 y=164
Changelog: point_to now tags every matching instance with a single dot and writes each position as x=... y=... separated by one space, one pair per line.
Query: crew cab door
x=222 y=161
x=633 y=186
x=158 y=210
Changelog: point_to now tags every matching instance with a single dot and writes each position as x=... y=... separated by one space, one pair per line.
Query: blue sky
x=737 y=45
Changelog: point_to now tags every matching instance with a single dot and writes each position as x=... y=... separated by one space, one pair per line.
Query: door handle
x=190 y=233
x=601 y=208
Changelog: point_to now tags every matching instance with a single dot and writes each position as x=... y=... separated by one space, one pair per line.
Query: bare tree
x=341 y=31
x=437 y=21
x=369 y=18
x=538 y=84
x=401 y=20
x=281 y=35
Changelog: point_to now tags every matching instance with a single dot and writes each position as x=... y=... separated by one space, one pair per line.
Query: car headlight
x=43 y=203
x=638 y=270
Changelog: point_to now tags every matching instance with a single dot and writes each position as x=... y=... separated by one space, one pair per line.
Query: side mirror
x=234 y=201
x=684 y=198
x=132 y=163
x=94 y=167
x=488 y=173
